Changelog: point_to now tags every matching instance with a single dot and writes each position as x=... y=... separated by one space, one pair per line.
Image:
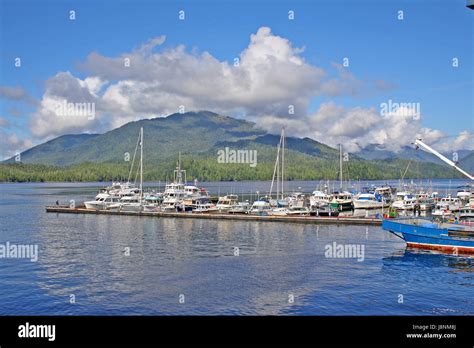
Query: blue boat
x=432 y=235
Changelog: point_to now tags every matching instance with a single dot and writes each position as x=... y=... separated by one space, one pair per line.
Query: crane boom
x=425 y=147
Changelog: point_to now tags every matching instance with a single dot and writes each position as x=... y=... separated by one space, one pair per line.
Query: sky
x=351 y=72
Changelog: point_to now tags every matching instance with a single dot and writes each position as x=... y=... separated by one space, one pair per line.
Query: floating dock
x=338 y=220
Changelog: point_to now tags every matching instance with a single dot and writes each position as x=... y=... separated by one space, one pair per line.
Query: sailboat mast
x=340 y=166
x=282 y=160
x=141 y=164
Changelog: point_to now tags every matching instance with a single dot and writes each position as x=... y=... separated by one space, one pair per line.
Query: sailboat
x=114 y=196
x=341 y=200
x=279 y=175
x=133 y=203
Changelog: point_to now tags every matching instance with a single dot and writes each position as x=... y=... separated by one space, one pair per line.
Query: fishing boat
x=319 y=198
x=436 y=234
x=342 y=200
x=432 y=235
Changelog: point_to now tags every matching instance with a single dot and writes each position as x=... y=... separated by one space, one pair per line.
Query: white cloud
x=271 y=75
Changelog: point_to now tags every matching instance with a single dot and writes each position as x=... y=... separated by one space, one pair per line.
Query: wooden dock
x=342 y=220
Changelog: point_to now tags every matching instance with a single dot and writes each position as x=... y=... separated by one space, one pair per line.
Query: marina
x=221 y=216
x=82 y=252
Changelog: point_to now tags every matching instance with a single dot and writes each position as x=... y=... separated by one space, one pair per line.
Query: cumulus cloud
x=11 y=144
x=269 y=76
x=16 y=94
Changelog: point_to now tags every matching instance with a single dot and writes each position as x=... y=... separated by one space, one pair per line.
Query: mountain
x=198 y=136
x=377 y=152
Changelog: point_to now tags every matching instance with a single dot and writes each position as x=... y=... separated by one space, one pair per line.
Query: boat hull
x=423 y=234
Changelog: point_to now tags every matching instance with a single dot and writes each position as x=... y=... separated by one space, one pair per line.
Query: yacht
x=260 y=207
x=102 y=201
x=226 y=203
x=175 y=192
x=369 y=201
x=240 y=208
x=404 y=201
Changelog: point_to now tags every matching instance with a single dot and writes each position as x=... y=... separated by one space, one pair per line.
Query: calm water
x=84 y=255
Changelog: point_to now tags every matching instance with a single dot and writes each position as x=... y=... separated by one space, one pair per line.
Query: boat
x=281 y=211
x=102 y=201
x=225 y=203
x=428 y=234
x=203 y=205
x=240 y=208
x=278 y=177
x=319 y=198
x=466 y=215
x=128 y=203
x=465 y=192
x=342 y=200
x=450 y=203
x=297 y=210
x=369 y=201
x=404 y=200
x=260 y=207
x=296 y=200
x=152 y=201
x=175 y=191
x=323 y=210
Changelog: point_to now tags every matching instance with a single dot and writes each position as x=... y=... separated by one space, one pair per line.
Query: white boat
x=203 y=205
x=102 y=201
x=279 y=211
x=369 y=201
x=404 y=201
x=129 y=204
x=240 y=208
x=298 y=211
x=319 y=199
x=451 y=203
x=175 y=192
x=260 y=207
x=225 y=203
x=465 y=192
x=296 y=199
x=466 y=214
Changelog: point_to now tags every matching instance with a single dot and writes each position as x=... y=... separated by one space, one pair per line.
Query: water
x=84 y=256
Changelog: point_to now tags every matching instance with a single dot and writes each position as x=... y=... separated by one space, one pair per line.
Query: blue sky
x=413 y=56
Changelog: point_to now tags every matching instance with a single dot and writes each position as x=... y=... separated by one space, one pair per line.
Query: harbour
x=85 y=254
x=219 y=216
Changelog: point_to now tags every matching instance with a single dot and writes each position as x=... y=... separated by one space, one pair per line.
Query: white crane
x=419 y=143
